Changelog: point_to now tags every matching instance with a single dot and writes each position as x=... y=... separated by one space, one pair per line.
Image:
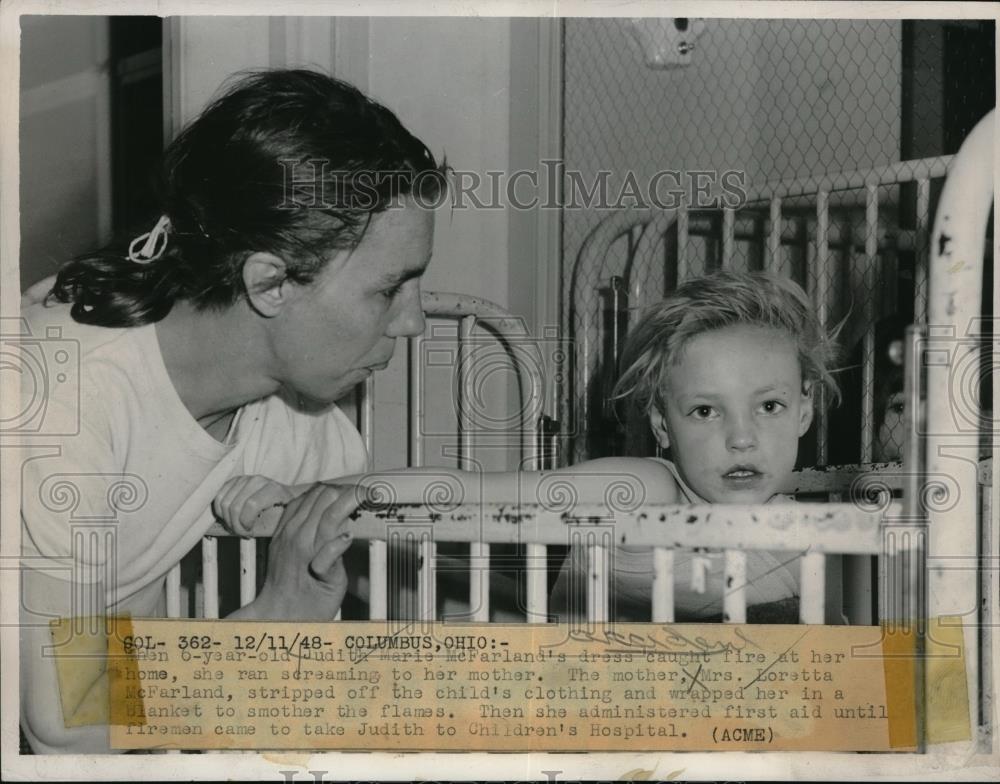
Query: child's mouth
x=742 y=475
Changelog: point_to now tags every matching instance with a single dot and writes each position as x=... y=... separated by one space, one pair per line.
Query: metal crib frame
x=643 y=282
x=930 y=556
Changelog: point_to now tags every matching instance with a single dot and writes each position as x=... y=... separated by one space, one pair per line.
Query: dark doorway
x=136 y=116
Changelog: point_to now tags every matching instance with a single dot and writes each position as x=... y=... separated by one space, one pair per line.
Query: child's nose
x=741 y=434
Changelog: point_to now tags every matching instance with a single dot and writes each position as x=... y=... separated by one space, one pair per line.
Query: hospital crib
x=931 y=526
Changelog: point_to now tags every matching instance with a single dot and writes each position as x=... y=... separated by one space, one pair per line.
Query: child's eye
x=898 y=408
x=772 y=406
x=702 y=412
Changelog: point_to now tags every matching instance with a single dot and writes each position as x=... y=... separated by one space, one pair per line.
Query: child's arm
x=244 y=502
x=592 y=482
x=597 y=477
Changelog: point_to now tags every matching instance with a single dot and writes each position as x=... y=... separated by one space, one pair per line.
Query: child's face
x=734 y=414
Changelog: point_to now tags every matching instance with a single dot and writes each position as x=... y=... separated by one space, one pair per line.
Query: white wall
x=65 y=149
x=448 y=80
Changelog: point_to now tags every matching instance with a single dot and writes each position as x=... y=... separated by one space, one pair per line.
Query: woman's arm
x=305 y=580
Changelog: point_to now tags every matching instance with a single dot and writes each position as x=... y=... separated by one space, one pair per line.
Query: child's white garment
x=698 y=576
x=127 y=457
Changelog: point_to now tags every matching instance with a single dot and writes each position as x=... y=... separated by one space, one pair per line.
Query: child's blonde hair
x=722 y=299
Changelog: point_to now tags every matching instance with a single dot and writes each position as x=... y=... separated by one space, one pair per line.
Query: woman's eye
x=772 y=406
x=702 y=412
x=898 y=408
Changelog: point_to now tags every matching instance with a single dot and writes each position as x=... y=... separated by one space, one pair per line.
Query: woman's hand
x=306 y=579
x=243 y=499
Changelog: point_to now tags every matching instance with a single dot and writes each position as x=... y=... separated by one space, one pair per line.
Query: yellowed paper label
x=638 y=687
x=947 y=691
x=80 y=646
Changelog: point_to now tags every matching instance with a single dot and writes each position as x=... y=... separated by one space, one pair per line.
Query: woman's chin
x=315 y=400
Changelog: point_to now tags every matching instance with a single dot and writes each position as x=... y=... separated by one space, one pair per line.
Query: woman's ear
x=659 y=427
x=264 y=277
x=806 y=409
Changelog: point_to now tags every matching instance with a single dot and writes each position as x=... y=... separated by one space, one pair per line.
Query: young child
x=726 y=371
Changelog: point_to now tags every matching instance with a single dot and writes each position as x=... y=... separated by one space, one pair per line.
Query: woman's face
x=343 y=326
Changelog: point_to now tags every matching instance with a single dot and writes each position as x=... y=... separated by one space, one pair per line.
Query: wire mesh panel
x=688 y=120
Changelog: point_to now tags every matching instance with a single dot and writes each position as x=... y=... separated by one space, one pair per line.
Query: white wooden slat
x=210 y=576
x=173 y=591
x=426 y=587
x=663 y=585
x=812 y=601
x=537 y=583
x=598 y=575
x=248 y=571
x=378 y=579
x=734 y=597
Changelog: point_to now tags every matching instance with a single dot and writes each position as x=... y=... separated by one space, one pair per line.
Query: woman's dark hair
x=291 y=162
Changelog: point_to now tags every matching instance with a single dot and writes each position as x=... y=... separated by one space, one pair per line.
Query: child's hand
x=306 y=578
x=243 y=499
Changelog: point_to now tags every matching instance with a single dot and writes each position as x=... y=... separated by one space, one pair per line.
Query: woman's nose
x=741 y=434
x=410 y=321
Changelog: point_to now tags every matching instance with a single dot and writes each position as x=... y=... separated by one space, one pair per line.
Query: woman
x=283 y=268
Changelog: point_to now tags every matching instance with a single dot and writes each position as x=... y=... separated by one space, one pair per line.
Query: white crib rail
x=813 y=530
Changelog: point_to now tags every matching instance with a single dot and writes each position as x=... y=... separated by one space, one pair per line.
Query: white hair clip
x=153 y=243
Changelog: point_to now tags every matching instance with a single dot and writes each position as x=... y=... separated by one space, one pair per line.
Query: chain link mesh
x=853 y=113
